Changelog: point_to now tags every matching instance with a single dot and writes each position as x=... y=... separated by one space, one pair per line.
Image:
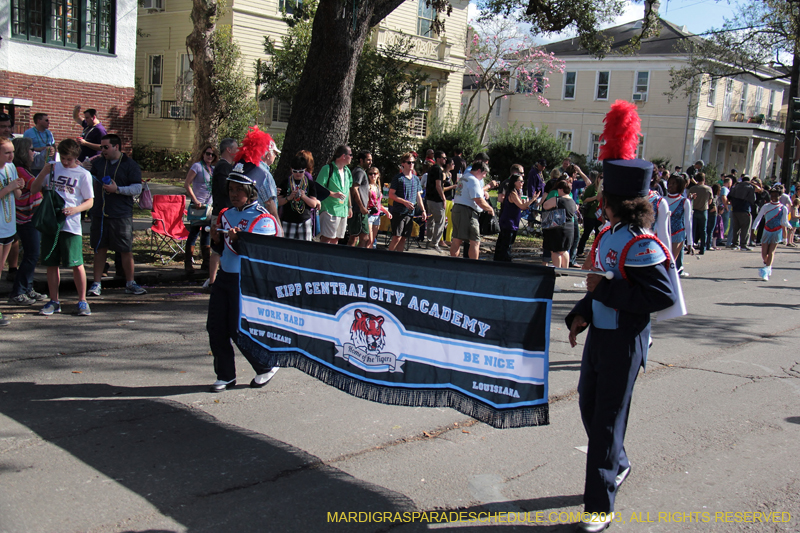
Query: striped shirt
x=26 y=202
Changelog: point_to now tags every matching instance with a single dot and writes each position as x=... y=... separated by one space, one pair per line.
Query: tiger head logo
x=367 y=332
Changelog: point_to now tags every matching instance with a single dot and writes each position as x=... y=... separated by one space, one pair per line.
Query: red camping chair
x=168 y=231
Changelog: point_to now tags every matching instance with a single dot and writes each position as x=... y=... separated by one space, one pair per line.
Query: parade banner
x=402 y=329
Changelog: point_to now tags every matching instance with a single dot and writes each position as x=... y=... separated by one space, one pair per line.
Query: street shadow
x=565 y=365
x=758 y=304
x=198 y=471
x=516 y=515
x=700 y=328
x=793 y=419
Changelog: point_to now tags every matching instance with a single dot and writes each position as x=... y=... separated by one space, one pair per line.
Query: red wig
x=621 y=132
x=254 y=145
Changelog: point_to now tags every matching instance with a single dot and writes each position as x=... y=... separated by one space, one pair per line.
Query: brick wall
x=58 y=97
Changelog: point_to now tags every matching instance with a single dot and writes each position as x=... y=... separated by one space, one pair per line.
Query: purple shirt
x=92 y=134
x=535 y=182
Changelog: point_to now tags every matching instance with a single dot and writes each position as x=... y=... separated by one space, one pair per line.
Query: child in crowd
x=375 y=205
x=73 y=183
x=10 y=185
x=680 y=209
x=794 y=223
x=776 y=217
x=223 y=306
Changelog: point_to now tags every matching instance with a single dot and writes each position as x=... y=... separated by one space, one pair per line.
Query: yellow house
x=732 y=123
x=162 y=61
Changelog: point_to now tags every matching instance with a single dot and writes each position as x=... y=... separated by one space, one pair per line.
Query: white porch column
x=748 y=157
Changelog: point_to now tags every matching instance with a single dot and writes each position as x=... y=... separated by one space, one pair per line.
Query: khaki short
x=331 y=226
x=465 y=223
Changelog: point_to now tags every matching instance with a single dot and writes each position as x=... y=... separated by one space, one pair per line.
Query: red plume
x=254 y=146
x=621 y=132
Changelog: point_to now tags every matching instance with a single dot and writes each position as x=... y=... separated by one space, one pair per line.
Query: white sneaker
x=207 y=284
x=594 y=522
x=764 y=273
x=622 y=476
x=262 y=379
x=94 y=290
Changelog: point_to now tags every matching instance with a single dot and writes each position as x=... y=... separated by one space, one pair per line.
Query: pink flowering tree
x=502 y=61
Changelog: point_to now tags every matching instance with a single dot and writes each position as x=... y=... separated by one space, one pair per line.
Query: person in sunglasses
x=298 y=197
x=116 y=179
x=405 y=192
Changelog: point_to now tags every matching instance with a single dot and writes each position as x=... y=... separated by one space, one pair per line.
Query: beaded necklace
x=8 y=210
x=298 y=205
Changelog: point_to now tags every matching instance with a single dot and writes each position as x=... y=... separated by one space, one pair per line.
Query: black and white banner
x=402 y=329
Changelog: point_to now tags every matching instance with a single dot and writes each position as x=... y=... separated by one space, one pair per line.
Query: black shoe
x=220 y=385
x=701 y=253
x=11 y=275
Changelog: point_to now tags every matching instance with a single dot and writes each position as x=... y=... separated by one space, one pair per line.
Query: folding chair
x=168 y=231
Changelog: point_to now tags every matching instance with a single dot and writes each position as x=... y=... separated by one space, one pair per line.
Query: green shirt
x=330 y=178
x=591 y=207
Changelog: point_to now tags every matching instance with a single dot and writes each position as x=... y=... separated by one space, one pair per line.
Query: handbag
x=199 y=216
x=146 y=197
x=489 y=224
x=554 y=218
x=49 y=217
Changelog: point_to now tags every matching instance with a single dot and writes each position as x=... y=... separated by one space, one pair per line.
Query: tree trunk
x=789 y=138
x=206 y=120
x=320 y=117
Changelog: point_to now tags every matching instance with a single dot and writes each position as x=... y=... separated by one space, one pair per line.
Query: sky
x=697 y=15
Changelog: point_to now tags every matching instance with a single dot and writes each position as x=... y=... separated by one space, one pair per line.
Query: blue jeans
x=726 y=226
x=710 y=225
x=29 y=239
x=699 y=223
x=194 y=231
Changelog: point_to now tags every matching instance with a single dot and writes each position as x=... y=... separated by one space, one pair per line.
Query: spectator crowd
x=444 y=202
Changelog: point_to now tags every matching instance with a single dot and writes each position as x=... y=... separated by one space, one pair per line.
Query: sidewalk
x=146 y=274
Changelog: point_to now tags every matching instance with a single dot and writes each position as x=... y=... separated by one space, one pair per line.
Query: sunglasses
x=105 y=146
x=209 y=153
x=298 y=171
x=408 y=162
x=372 y=173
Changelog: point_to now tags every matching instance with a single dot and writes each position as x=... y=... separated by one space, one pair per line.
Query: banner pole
x=581 y=272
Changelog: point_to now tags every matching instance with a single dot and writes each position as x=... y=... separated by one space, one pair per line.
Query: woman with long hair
x=510 y=214
x=22 y=292
x=198 y=189
x=775 y=217
x=375 y=205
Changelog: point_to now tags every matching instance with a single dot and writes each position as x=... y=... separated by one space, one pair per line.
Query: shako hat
x=623 y=174
x=244 y=173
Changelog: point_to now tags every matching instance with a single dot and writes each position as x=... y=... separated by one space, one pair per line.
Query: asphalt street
x=106 y=426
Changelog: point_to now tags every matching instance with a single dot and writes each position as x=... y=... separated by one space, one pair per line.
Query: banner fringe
x=537 y=415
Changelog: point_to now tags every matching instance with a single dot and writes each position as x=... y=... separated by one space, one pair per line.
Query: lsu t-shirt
x=74 y=185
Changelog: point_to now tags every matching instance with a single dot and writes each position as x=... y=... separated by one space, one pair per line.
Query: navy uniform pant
x=223 y=326
x=609 y=368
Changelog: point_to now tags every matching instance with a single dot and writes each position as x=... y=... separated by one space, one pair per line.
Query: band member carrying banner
x=246 y=215
x=617 y=311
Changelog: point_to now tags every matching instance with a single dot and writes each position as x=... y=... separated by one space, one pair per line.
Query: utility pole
x=789 y=136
